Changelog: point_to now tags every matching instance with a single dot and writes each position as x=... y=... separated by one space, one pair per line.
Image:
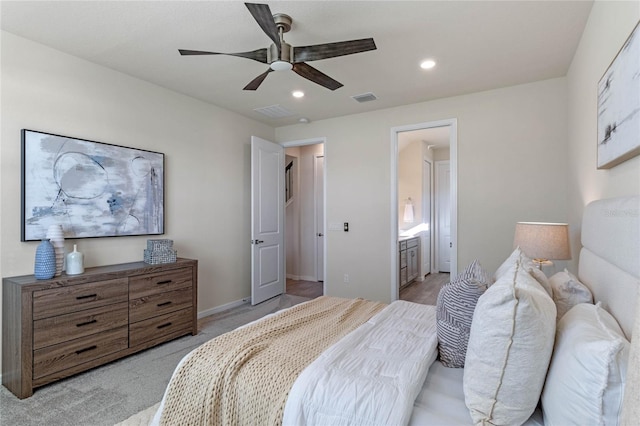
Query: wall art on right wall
x=619 y=106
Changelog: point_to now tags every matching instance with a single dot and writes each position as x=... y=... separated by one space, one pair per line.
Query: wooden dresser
x=55 y=328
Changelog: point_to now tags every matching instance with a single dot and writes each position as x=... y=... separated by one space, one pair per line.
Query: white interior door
x=320 y=231
x=267 y=220
x=443 y=215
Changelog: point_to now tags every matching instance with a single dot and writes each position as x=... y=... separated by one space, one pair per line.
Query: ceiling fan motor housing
x=286 y=53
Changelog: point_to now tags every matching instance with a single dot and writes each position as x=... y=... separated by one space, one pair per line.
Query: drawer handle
x=88 y=296
x=164 y=282
x=87 y=323
x=90 y=348
x=163 y=304
x=164 y=325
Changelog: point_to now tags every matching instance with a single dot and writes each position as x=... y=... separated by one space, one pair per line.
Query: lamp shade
x=543 y=240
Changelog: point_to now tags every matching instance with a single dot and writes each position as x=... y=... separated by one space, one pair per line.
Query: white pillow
x=509 y=349
x=542 y=279
x=516 y=255
x=586 y=377
x=568 y=291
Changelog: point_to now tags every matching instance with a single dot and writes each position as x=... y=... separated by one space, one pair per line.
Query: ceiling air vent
x=274 y=111
x=365 y=97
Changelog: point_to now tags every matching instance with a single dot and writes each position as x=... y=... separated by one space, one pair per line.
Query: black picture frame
x=92 y=189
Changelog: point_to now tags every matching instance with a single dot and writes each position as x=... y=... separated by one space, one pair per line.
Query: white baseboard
x=221 y=308
x=293 y=277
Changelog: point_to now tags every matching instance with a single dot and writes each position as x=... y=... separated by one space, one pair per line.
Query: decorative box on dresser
x=55 y=328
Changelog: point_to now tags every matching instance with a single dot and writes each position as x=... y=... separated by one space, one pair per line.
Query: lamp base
x=541 y=262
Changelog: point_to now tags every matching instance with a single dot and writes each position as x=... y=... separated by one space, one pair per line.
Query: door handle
x=256 y=241
x=320 y=234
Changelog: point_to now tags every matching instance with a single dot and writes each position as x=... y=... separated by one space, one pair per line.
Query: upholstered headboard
x=610 y=256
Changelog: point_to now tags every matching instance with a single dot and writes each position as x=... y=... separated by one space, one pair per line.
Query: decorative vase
x=75 y=262
x=56 y=236
x=45 y=264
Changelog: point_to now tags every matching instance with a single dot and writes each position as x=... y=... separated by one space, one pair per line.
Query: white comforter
x=373 y=375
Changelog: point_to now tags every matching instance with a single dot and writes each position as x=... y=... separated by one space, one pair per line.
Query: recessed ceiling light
x=298 y=94
x=428 y=64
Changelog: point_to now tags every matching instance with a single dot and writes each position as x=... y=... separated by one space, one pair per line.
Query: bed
x=380 y=364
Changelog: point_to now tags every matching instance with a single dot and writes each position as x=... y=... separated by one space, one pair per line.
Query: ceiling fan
x=281 y=56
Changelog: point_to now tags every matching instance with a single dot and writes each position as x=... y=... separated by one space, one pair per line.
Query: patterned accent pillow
x=568 y=291
x=454 y=312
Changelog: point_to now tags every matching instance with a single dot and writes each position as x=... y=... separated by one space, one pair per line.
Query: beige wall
x=410 y=160
x=609 y=25
x=207 y=161
x=441 y=154
x=512 y=167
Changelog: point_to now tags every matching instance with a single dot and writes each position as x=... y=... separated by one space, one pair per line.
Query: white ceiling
x=478 y=45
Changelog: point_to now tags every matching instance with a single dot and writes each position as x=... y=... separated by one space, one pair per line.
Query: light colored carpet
x=143 y=418
x=114 y=392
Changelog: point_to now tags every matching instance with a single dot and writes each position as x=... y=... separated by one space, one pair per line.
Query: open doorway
x=424 y=207
x=304 y=218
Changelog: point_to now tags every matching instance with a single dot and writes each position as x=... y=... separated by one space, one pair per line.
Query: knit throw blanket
x=244 y=377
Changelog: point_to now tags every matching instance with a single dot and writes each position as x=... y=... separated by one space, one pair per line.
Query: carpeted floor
x=114 y=392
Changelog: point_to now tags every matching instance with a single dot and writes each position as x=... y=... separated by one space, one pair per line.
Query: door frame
x=453 y=158
x=315 y=141
x=437 y=249
x=319 y=272
x=428 y=202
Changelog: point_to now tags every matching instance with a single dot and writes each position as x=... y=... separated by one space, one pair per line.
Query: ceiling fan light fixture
x=281 y=66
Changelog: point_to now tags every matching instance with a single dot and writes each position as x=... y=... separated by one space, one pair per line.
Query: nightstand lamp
x=543 y=241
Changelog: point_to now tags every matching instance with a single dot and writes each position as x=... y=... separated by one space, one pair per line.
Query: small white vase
x=56 y=237
x=75 y=262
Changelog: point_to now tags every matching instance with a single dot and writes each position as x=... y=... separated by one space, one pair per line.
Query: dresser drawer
x=65 y=300
x=54 y=330
x=160 y=303
x=146 y=285
x=57 y=358
x=160 y=326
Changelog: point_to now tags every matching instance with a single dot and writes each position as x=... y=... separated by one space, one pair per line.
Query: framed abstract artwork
x=619 y=106
x=91 y=189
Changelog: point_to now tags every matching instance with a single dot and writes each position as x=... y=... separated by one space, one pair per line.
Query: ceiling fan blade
x=259 y=55
x=263 y=16
x=310 y=73
x=256 y=82
x=331 y=50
